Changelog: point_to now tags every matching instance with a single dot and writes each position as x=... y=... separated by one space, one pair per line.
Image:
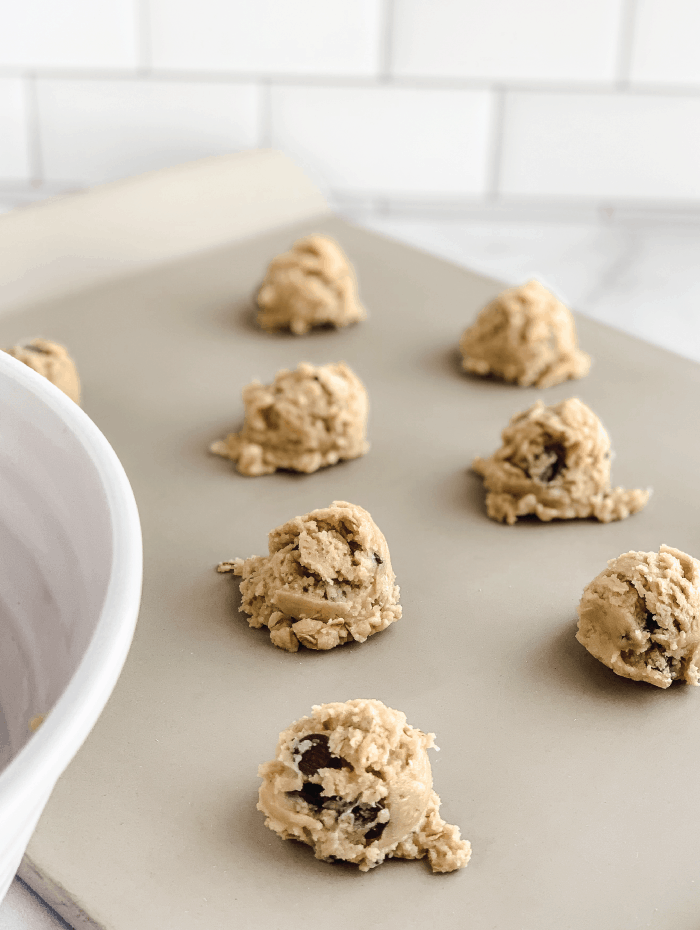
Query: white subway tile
x=69 y=33
x=96 y=131
x=274 y=36
x=14 y=152
x=504 y=40
x=666 y=42
x=601 y=145
x=383 y=140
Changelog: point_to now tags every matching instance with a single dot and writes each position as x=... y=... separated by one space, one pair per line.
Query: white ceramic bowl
x=70 y=586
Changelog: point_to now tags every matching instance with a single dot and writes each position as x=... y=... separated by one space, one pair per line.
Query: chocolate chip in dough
x=374 y=832
x=650 y=622
x=314 y=797
x=557 y=466
x=317 y=756
x=366 y=814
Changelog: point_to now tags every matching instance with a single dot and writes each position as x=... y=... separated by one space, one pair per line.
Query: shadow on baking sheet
x=247 y=824
x=193 y=446
x=458 y=491
x=193 y=451
x=562 y=659
x=234 y=316
x=447 y=360
x=241 y=834
x=464 y=490
x=244 y=315
x=223 y=604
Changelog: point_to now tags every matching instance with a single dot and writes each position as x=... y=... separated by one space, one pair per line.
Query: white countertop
x=23 y=910
x=637 y=274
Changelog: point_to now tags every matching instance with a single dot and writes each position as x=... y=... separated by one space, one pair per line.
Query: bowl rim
x=31 y=774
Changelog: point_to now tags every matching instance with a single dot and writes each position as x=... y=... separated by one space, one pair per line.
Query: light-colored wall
x=385 y=102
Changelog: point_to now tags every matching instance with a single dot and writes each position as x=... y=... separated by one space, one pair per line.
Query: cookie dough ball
x=327 y=580
x=304 y=420
x=526 y=336
x=555 y=464
x=53 y=362
x=353 y=780
x=311 y=285
x=641 y=617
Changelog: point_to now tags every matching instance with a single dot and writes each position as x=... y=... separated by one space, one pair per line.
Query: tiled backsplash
x=438 y=103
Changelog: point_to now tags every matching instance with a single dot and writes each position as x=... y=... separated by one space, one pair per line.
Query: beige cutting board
x=578 y=789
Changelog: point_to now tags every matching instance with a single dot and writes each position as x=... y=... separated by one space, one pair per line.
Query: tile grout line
x=496 y=143
x=36 y=161
x=628 y=17
x=602 y=88
x=386 y=50
x=143 y=38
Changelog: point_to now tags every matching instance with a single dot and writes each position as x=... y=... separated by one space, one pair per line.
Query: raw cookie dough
x=353 y=780
x=327 y=580
x=555 y=464
x=311 y=285
x=641 y=616
x=53 y=362
x=526 y=335
x=304 y=420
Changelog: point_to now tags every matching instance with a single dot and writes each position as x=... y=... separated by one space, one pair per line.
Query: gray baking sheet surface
x=577 y=789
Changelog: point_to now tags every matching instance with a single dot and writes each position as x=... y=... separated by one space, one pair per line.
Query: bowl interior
x=55 y=553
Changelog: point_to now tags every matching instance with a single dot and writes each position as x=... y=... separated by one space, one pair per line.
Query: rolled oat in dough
x=641 y=617
x=53 y=362
x=353 y=780
x=555 y=463
x=311 y=285
x=527 y=336
x=327 y=580
x=304 y=420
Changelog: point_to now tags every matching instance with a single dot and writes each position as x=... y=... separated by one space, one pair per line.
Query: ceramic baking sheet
x=576 y=788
